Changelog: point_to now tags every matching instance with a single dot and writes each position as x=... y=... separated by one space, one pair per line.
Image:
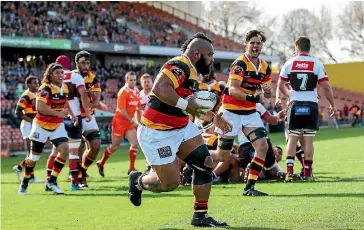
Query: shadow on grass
x=253 y=228
x=358 y=195
x=319 y=179
x=230 y=227
x=124 y=194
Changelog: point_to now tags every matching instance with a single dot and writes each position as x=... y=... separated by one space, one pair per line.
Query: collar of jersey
x=189 y=60
x=60 y=89
x=260 y=63
x=33 y=94
x=130 y=89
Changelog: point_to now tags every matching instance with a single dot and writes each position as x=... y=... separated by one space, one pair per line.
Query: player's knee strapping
x=74 y=144
x=93 y=136
x=201 y=163
x=58 y=141
x=257 y=134
x=37 y=147
x=226 y=144
x=270 y=158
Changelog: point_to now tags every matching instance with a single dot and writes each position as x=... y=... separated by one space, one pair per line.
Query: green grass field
x=335 y=201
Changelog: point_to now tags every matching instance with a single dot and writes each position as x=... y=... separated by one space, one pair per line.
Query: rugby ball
x=206 y=99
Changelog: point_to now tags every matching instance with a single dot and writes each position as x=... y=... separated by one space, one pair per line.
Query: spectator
x=346 y=113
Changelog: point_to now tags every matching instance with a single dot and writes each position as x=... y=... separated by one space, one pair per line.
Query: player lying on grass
x=228 y=169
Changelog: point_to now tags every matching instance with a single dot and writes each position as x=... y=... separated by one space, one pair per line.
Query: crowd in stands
x=114 y=22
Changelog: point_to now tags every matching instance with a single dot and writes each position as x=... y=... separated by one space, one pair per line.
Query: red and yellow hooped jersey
x=161 y=116
x=251 y=79
x=55 y=98
x=27 y=103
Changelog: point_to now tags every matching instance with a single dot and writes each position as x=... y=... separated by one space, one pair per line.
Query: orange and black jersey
x=210 y=141
x=92 y=86
x=26 y=104
x=161 y=116
x=251 y=79
x=55 y=98
x=216 y=87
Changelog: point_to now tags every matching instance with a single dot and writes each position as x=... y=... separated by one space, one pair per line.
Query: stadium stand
x=117 y=22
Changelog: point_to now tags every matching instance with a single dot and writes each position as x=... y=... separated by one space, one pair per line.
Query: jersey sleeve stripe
x=95 y=90
x=323 y=79
x=265 y=114
x=235 y=77
x=283 y=78
x=42 y=99
x=171 y=76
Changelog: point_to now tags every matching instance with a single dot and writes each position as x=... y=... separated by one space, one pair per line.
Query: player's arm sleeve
x=263 y=111
x=122 y=98
x=177 y=71
x=78 y=81
x=267 y=78
x=237 y=70
x=321 y=76
x=21 y=105
x=43 y=95
x=95 y=85
x=283 y=75
x=22 y=102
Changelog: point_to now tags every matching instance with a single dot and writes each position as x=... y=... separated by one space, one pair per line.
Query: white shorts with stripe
x=161 y=147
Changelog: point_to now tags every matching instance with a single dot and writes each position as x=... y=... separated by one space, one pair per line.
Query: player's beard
x=206 y=78
x=201 y=66
x=83 y=73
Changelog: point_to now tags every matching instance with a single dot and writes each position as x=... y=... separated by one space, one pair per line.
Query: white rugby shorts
x=238 y=122
x=25 y=128
x=91 y=125
x=161 y=147
x=39 y=134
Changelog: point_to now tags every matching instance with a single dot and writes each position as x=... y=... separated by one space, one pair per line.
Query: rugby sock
x=132 y=157
x=50 y=163
x=74 y=162
x=32 y=174
x=106 y=156
x=308 y=168
x=201 y=206
x=290 y=164
x=57 y=168
x=300 y=155
x=88 y=160
x=256 y=166
x=27 y=173
x=21 y=165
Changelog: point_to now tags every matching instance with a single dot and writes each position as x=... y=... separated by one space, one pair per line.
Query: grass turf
x=335 y=201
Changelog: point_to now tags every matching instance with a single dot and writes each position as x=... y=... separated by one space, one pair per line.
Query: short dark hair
x=303 y=43
x=280 y=149
x=82 y=53
x=255 y=33
x=29 y=79
x=197 y=35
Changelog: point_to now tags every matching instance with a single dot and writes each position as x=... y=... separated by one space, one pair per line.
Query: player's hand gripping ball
x=206 y=99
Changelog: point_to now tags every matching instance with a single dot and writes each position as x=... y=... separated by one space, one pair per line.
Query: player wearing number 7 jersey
x=303 y=72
